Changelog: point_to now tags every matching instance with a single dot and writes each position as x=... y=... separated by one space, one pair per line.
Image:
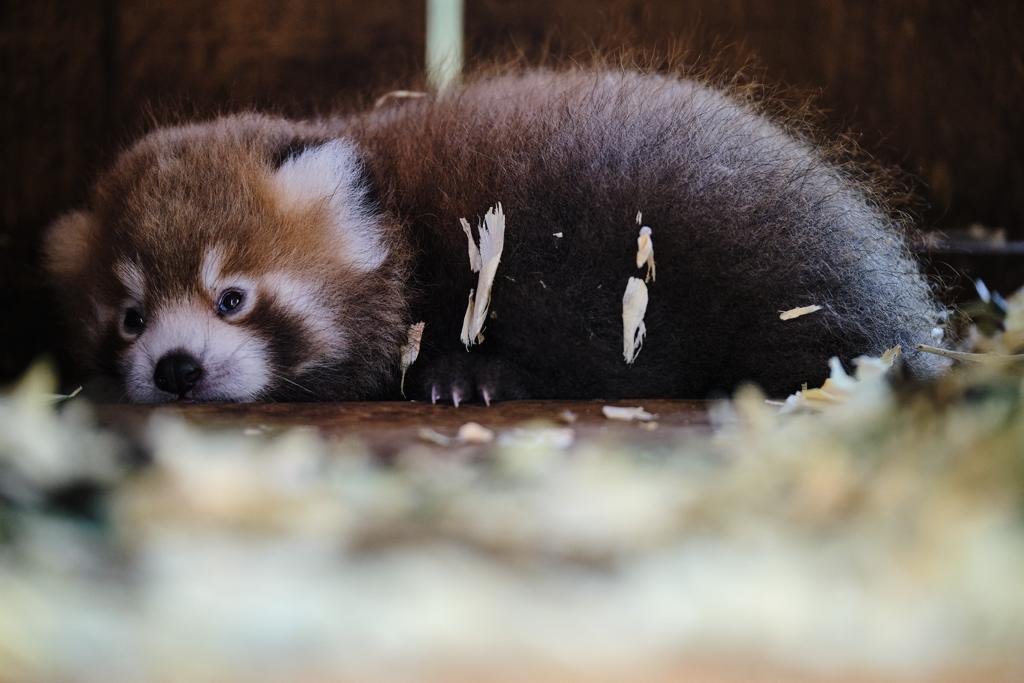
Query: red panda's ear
x=329 y=175
x=68 y=244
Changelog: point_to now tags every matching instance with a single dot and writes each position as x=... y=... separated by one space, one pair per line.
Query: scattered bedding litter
x=634 y=307
x=881 y=533
x=483 y=259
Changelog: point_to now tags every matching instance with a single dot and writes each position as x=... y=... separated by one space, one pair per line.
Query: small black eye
x=229 y=301
x=133 y=321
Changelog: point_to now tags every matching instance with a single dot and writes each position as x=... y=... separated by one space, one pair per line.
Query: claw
x=435 y=394
x=456 y=397
x=486 y=393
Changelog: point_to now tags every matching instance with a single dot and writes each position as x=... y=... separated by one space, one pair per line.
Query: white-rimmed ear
x=329 y=174
x=67 y=245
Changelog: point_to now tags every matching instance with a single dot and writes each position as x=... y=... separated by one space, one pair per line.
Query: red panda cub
x=252 y=257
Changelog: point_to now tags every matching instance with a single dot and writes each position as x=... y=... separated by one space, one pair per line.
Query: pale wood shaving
x=398 y=95
x=568 y=417
x=966 y=357
x=634 y=306
x=474 y=251
x=627 y=414
x=410 y=350
x=474 y=433
x=483 y=260
x=840 y=386
x=435 y=437
x=645 y=253
x=797 y=312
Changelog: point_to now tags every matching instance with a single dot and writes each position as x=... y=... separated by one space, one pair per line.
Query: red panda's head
x=234 y=260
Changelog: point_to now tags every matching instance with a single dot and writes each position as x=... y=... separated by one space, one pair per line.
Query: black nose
x=177 y=372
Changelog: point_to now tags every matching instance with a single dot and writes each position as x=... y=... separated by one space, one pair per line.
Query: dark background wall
x=935 y=87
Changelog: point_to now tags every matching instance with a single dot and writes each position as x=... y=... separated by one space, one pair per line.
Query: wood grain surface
x=389 y=427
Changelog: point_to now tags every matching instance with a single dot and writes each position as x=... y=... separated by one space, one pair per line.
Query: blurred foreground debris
x=882 y=534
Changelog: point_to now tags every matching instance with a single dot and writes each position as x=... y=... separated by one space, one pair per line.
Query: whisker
x=236 y=350
x=291 y=381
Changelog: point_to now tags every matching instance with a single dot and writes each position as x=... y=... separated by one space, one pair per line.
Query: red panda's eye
x=229 y=301
x=133 y=321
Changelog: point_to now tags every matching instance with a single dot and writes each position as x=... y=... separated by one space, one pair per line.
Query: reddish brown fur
x=748 y=219
x=168 y=199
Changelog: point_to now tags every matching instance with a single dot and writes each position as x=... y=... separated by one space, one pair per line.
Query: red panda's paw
x=465 y=377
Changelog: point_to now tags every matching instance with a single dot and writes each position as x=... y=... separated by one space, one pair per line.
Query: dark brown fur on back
x=748 y=221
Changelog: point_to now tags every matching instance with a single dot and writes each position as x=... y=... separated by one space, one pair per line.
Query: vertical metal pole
x=444 y=42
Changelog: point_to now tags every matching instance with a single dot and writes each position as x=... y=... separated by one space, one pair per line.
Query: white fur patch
x=329 y=174
x=133 y=279
x=306 y=301
x=210 y=271
x=235 y=362
x=215 y=282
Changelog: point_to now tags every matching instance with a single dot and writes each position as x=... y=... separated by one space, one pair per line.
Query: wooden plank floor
x=388 y=426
